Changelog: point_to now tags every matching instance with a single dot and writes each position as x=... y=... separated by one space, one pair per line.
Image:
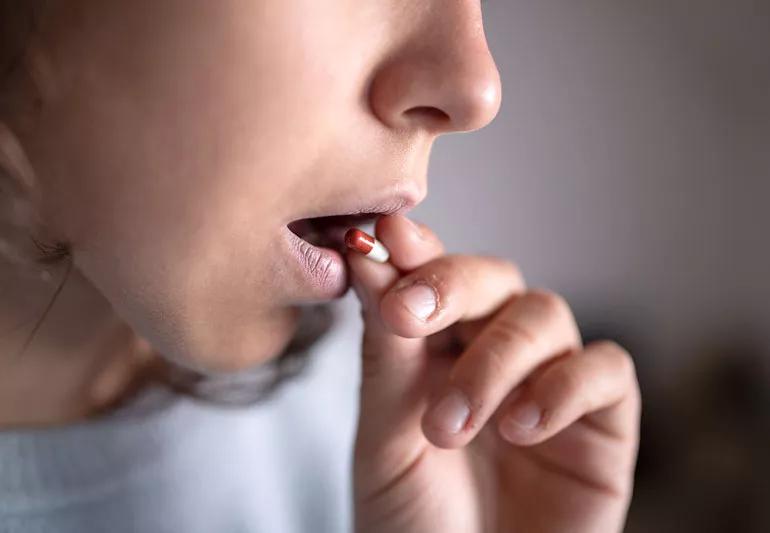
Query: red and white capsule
x=362 y=242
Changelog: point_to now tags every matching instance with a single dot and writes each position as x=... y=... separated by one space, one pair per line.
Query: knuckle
x=508 y=270
x=551 y=303
x=497 y=353
x=476 y=374
x=623 y=357
x=515 y=270
x=509 y=333
x=503 y=264
x=567 y=380
x=608 y=345
x=556 y=313
x=627 y=363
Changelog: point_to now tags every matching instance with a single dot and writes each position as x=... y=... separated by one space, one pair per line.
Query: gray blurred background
x=629 y=169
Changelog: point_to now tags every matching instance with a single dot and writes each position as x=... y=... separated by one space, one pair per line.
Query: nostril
x=430 y=115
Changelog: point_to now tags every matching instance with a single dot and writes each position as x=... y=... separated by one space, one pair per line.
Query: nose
x=441 y=77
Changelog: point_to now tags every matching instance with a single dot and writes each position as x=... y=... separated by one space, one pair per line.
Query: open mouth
x=317 y=244
x=329 y=231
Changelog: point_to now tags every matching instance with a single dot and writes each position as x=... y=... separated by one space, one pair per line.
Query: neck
x=64 y=353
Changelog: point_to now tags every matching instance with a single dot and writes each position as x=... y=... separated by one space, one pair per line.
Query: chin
x=239 y=347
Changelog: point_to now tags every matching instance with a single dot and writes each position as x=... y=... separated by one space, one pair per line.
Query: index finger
x=463 y=287
x=410 y=243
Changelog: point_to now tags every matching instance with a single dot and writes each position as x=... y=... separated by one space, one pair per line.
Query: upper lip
x=396 y=199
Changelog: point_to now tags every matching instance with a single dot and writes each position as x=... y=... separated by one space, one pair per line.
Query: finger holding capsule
x=441 y=289
x=402 y=242
x=391 y=365
x=406 y=244
x=446 y=290
x=411 y=244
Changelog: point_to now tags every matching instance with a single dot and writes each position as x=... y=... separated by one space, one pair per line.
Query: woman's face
x=179 y=139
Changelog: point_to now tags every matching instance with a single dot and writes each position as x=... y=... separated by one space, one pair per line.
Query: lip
x=392 y=200
x=324 y=269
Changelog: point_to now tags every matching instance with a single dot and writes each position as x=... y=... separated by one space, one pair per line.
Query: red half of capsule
x=358 y=240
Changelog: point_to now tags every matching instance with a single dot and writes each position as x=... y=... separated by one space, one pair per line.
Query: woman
x=176 y=176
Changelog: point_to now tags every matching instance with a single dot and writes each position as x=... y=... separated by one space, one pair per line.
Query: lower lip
x=324 y=269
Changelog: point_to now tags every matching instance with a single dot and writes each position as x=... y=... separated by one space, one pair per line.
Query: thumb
x=393 y=393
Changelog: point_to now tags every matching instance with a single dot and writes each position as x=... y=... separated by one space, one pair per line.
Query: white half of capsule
x=378 y=253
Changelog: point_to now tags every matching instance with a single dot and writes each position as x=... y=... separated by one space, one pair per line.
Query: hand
x=481 y=410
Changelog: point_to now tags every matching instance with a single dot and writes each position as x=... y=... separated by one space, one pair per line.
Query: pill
x=362 y=242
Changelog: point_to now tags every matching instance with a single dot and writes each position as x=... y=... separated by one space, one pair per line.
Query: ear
x=26 y=85
x=13 y=160
x=19 y=206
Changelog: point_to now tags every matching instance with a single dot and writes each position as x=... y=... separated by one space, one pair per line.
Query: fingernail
x=451 y=413
x=524 y=418
x=419 y=299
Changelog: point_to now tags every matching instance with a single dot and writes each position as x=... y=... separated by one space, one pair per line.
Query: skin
x=170 y=143
x=506 y=349
x=173 y=143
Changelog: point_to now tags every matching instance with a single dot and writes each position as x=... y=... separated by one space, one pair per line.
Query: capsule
x=362 y=242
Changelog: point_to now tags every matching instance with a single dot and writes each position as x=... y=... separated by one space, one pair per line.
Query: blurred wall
x=629 y=166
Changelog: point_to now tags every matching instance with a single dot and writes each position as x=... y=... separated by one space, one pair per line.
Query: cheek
x=171 y=141
x=205 y=314
x=180 y=240
x=214 y=123
x=171 y=169
x=186 y=260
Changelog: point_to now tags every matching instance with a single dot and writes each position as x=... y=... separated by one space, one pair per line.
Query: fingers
x=598 y=382
x=531 y=346
x=530 y=330
x=448 y=289
x=392 y=366
x=410 y=243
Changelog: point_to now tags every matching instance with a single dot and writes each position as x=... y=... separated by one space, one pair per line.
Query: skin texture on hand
x=481 y=410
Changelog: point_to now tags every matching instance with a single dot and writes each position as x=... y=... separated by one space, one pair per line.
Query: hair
x=18 y=19
x=21 y=247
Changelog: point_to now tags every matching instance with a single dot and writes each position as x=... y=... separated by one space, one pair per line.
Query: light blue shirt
x=168 y=463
